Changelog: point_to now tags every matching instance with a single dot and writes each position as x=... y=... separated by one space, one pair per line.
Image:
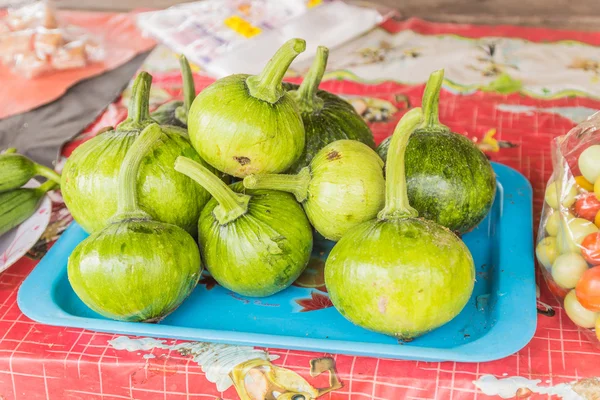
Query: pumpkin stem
x=295 y=184
x=431 y=101
x=396 y=194
x=231 y=206
x=267 y=85
x=46 y=172
x=127 y=194
x=138 y=114
x=306 y=95
x=46 y=186
x=10 y=150
x=189 y=90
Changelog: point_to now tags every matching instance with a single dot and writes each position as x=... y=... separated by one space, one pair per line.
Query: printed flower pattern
x=317 y=301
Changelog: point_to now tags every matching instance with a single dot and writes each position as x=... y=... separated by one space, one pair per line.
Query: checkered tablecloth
x=510 y=89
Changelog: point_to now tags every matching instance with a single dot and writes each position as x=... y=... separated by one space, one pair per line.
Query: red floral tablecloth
x=510 y=89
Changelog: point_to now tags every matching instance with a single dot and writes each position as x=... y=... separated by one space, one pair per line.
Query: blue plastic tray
x=499 y=319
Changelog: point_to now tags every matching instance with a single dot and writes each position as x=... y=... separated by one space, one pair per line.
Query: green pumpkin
x=326 y=117
x=245 y=124
x=90 y=176
x=135 y=268
x=450 y=181
x=253 y=242
x=342 y=187
x=176 y=112
x=398 y=274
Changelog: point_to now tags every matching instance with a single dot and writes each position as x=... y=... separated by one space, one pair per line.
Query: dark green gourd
x=326 y=117
x=450 y=181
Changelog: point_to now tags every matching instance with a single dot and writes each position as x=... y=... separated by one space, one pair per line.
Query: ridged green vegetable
x=244 y=125
x=16 y=170
x=450 y=181
x=254 y=242
x=19 y=204
x=135 y=268
x=90 y=176
x=342 y=187
x=326 y=117
x=176 y=112
x=399 y=274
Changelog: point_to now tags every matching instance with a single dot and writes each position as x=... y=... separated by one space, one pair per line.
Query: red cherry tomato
x=588 y=289
x=587 y=206
x=590 y=248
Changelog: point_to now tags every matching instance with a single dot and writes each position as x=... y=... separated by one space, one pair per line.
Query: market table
x=509 y=89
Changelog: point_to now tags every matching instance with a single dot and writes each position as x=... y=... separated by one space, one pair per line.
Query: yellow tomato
x=597 y=188
x=584 y=183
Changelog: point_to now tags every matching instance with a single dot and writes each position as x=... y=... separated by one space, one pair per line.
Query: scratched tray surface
x=499 y=319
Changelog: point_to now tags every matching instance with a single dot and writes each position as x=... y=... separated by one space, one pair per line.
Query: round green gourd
x=90 y=176
x=342 y=187
x=176 y=112
x=450 y=181
x=326 y=117
x=135 y=268
x=255 y=244
x=245 y=124
x=399 y=274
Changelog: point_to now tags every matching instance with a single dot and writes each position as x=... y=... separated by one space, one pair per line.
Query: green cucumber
x=19 y=204
x=16 y=170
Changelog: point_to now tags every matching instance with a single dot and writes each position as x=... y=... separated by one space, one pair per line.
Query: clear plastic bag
x=34 y=42
x=568 y=247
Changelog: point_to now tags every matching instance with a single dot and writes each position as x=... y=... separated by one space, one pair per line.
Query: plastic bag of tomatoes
x=568 y=245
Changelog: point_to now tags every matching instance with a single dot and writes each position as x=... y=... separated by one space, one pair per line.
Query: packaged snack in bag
x=33 y=42
x=568 y=247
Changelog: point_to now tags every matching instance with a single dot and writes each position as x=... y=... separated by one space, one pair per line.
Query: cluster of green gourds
x=154 y=194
